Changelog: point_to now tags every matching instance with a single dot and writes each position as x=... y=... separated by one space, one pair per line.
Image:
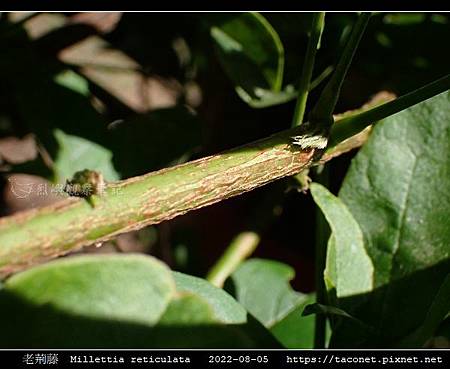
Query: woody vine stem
x=34 y=236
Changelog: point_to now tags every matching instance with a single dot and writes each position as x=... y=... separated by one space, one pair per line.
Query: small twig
x=308 y=65
x=245 y=243
x=316 y=131
x=356 y=123
x=324 y=108
x=240 y=248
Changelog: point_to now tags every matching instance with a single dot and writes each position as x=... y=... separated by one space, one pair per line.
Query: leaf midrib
x=397 y=243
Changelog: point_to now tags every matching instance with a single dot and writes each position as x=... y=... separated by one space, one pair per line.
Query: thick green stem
x=239 y=249
x=305 y=79
x=348 y=127
x=321 y=115
x=35 y=236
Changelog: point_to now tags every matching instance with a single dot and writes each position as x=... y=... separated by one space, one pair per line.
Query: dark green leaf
x=268 y=98
x=404 y=18
x=334 y=311
x=241 y=329
x=397 y=189
x=439 y=308
x=444 y=328
x=49 y=97
x=64 y=105
x=120 y=301
x=251 y=54
x=187 y=309
x=325 y=309
x=76 y=153
x=296 y=331
x=224 y=306
x=52 y=102
x=83 y=301
x=73 y=81
x=262 y=287
x=154 y=140
x=131 y=288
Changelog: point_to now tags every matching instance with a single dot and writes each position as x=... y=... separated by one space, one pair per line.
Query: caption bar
x=226 y=358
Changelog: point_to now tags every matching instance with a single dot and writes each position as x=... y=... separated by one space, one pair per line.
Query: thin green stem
x=245 y=243
x=305 y=78
x=320 y=78
x=239 y=249
x=322 y=113
x=348 y=127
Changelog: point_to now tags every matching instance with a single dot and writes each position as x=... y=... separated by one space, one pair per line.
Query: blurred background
x=127 y=94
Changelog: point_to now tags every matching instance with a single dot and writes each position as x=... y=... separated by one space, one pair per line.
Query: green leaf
x=404 y=18
x=82 y=300
x=444 y=329
x=296 y=331
x=225 y=307
x=316 y=308
x=338 y=317
x=332 y=310
x=330 y=272
x=250 y=332
x=73 y=284
x=73 y=81
x=262 y=287
x=397 y=189
x=154 y=140
x=266 y=98
x=77 y=153
x=251 y=54
x=121 y=301
x=189 y=322
x=213 y=307
x=350 y=270
x=62 y=102
x=438 y=310
x=187 y=309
